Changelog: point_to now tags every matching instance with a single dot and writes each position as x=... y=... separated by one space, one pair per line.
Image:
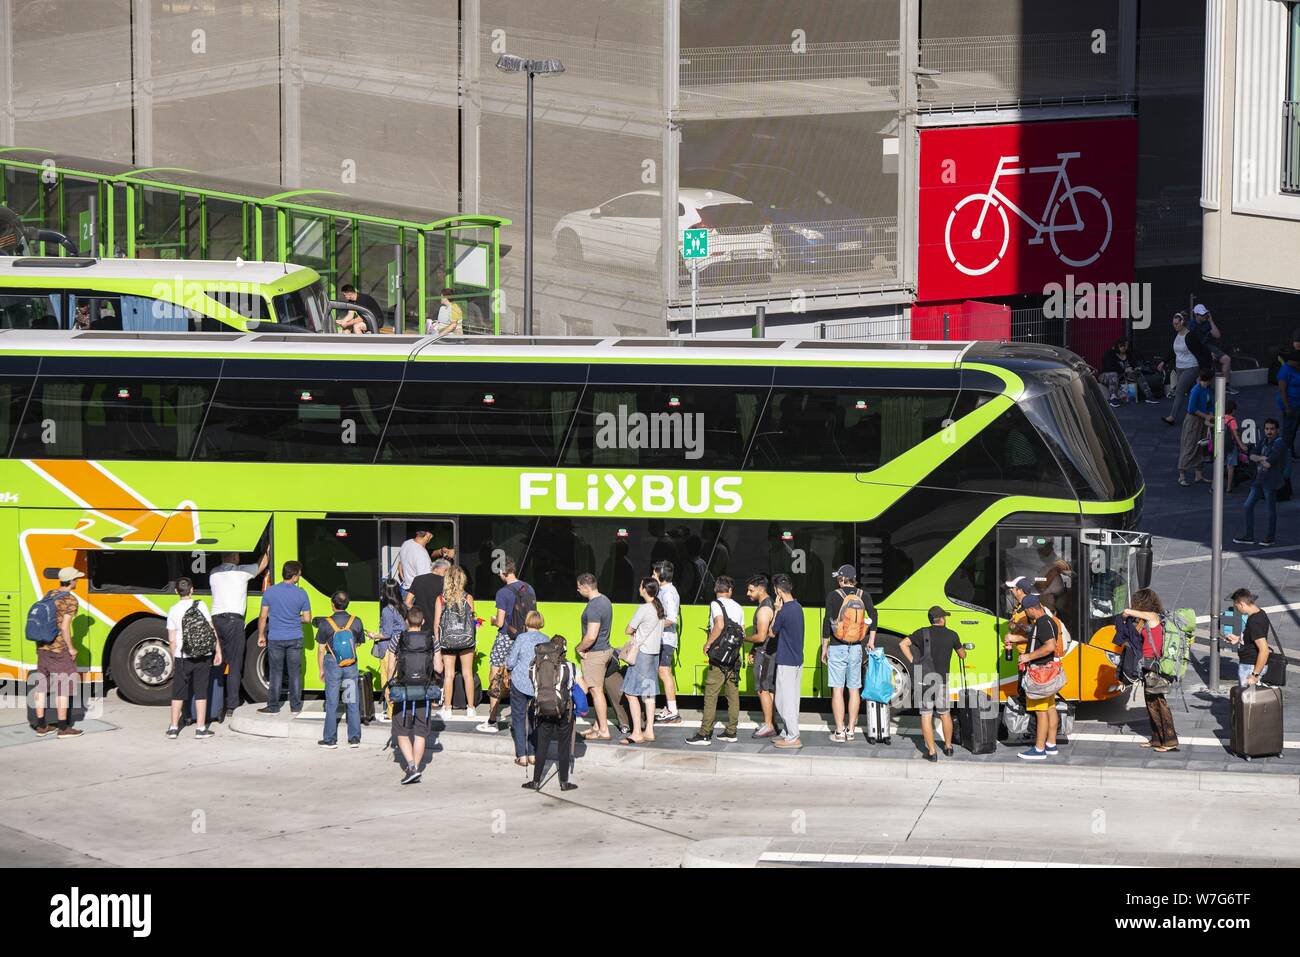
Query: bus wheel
x=141 y=662
x=257 y=683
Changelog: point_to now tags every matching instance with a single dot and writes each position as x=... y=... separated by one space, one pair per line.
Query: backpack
x=198 y=639
x=525 y=601
x=343 y=645
x=552 y=682
x=414 y=660
x=851 y=623
x=43 y=622
x=725 y=652
x=458 y=626
x=1180 y=632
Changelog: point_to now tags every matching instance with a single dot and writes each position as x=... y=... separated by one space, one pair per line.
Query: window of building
x=837 y=430
x=664 y=426
x=104 y=418
x=296 y=421
x=341 y=554
x=467 y=423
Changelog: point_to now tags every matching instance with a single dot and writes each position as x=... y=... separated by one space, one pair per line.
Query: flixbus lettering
x=610 y=492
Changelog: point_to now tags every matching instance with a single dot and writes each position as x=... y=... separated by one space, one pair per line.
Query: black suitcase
x=366 y=692
x=458 y=692
x=1255 y=721
x=876 y=718
x=976 y=722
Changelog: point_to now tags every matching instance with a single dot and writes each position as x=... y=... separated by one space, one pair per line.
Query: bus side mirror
x=1144 y=557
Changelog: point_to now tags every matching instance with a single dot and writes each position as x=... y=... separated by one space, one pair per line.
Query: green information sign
x=85 y=238
x=695 y=243
x=392 y=284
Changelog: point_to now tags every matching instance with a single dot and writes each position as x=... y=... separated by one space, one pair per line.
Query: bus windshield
x=303 y=307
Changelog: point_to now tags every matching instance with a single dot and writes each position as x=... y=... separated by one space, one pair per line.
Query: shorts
x=58 y=673
x=594 y=665
x=409 y=721
x=931 y=692
x=844 y=666
x=765 y=672
x=191 y=678
x=500 y=650
x=1040 y=704
x=667 y=655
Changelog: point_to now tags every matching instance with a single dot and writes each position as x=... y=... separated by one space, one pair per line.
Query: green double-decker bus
x=938 y=470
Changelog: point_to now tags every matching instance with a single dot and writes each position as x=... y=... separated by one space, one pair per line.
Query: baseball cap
x=1022 y=583
x=69 y=575
x=845 y=571
x=937 y=612
x=1200 y=309
x=1030 y=601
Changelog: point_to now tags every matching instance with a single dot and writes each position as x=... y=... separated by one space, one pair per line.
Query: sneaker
x=228 y=714
x=445 y=714
x=412 y=776
x=1232 y=391
x=1052 y=750
x=268 y=710
x=763 y=731
x=487 y=727
x=662 y=713
x=838 y=736
x=783 y=743
x=355 y=744
x=382 y=716
x=1152 y=401
x=173 y=732
x=701 y=740
x=1243 y=541
x=327 y=745
x=43 y=729
x=729 y=738
x=1033 y=754
x=204 y=732
x=471 y=713
x=1114 y=403
x=1265 y=543
x=670 y=718
x=568 y=786
x=69 y=733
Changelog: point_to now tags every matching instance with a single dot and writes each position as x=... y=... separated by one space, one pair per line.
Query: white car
x=624 y=231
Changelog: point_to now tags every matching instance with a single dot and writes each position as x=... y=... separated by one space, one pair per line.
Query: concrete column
x=471 y=105
x=290 y=96
x=909 y=144
x=142 y=82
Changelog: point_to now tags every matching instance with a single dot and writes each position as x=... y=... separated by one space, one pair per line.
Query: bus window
x=249 y=305
x=341 y=554
x=22 y=310
x=1006 y=457
x=13 y=396
x=102 y=418
x=458 y=423
x=844 y=430
x=484 y=541
x=1048 y=561
x=664 y=426
x=806 y=551
x=974 y=583
x=287 y=421
x=293 y=309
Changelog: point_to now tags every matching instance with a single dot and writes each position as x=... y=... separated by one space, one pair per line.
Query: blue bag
x=580 y=704
x=43 y=622
x=879 y=683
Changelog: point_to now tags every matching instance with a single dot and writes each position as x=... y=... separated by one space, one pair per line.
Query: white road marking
x=910 y=860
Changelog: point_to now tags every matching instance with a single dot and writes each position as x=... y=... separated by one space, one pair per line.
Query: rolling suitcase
x=1255 y=721
x=877 y=722
x=366 y=690
x=976 y=722
x=458 y=692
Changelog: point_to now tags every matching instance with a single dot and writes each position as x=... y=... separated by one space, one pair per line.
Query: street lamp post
x=508 y=63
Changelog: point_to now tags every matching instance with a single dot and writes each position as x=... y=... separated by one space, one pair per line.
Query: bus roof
x=65 y=271
x=509 y=348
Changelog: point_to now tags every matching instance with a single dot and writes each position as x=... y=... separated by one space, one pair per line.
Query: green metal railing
x=404 y=260
x=1291 y=146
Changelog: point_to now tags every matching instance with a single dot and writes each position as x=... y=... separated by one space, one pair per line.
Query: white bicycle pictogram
x=1063 y=195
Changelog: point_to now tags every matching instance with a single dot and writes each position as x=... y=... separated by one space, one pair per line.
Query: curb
x=797 y=765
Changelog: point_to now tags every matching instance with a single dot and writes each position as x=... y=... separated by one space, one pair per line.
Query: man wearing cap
x=1040 y=648
x=1203 y=327
x=929 y=651
x=843 y=660
x=1020 y=587
x=56 y=663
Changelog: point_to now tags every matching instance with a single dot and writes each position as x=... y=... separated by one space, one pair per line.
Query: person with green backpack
x=1161 y=642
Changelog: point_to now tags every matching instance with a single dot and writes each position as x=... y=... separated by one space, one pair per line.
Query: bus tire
x=257 y=685
x=141 y=662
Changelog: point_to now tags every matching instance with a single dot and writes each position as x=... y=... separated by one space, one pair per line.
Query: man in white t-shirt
x=672 y=602
x=229 y=583
x=721 y=610
x=414 y=558
x=191 y=675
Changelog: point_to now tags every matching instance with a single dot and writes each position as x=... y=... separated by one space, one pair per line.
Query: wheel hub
x=151 y=663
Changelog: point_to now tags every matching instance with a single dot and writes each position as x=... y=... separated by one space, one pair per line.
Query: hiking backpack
x=457 y=626
x=198 y=639
x=343 y=644
x=414 y=659
x=525 y=601
x=43 y=622
x=552 y=682
x=1179 y=633
x=725 y=652
x=851 y=623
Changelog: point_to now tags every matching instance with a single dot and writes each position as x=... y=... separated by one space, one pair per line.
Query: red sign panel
x=1006 y=210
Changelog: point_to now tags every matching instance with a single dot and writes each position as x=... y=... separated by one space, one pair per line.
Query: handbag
x=628 y=652
x=1275 y=668
x=1043 y=681
x=1153 y=682
x=499 y=685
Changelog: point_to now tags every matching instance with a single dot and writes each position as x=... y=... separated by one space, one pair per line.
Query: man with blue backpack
x=337 y=639
x=49 y=627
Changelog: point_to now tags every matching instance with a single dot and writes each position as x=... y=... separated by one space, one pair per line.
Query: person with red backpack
x=514 y=601
x=1148 y=614
x=337 y=639
x=850 y=623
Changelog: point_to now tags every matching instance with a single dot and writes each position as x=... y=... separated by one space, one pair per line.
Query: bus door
x=1049 y=558
x=394 y=531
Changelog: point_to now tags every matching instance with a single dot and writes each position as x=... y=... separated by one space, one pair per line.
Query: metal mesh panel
x=890 y=329
x=1008 y=52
